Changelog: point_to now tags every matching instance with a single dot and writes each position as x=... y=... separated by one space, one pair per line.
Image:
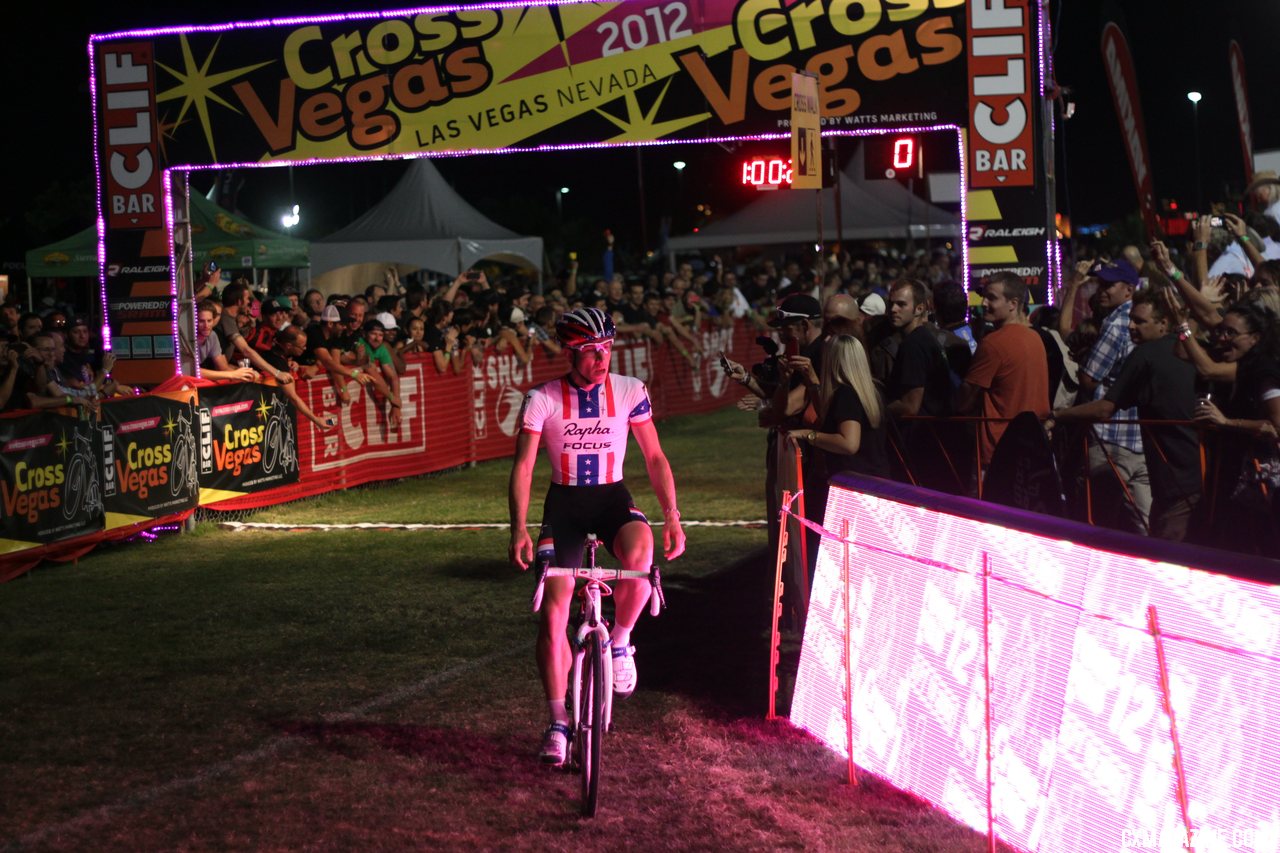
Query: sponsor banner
x=1240 y=92
x=127 y=136
x=247 y=440
x=50 y=480
x=806 y=147
x=149 y=456
x=1008 y=232
x=475 y=78
x=1123 y=80
x=1002 y=104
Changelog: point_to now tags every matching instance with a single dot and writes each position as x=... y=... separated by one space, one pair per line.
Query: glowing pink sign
x=1082 y=756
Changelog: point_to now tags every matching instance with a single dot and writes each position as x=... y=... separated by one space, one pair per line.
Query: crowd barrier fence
x=69 y=484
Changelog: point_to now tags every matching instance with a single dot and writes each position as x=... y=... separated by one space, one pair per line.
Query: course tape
x=482 y=525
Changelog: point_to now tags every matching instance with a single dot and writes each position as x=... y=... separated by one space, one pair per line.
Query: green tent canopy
x=232 y=241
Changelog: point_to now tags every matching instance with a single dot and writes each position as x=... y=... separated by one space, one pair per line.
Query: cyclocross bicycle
x=591 y=679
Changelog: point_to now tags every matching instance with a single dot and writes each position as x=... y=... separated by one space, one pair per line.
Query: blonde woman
x=850 y=430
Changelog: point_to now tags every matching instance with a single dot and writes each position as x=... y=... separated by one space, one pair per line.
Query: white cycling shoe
x=624 y=671
x=555 y=745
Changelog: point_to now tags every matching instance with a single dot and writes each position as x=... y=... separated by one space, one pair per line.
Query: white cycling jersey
x=585 y=431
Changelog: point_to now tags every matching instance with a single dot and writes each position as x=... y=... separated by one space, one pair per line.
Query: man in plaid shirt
x=1115 y=453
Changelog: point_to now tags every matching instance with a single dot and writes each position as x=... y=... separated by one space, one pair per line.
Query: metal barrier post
x=775 y=638
x=803 y=597
x=848 y=649
x=1153 y=622
x=986 y=677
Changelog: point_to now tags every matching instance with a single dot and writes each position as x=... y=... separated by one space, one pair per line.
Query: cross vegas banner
x=247 y=440
x=51 y=487
x=492 y=78
x=149 y=457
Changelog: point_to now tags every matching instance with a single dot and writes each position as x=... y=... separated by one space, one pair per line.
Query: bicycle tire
x=591 y=730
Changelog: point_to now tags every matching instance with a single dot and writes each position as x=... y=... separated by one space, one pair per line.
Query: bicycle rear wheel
x=591 y=724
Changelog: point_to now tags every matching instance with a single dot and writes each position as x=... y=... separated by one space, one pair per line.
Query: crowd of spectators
x=1155 y=371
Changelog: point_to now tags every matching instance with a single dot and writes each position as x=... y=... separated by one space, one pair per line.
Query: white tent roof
x=425 y=223
x=873 y=210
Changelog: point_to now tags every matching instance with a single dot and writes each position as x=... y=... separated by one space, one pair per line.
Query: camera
x=766 y=372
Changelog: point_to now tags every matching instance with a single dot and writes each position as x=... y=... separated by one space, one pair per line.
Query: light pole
x=560 y=194
x=679 y=165
x=1194 y=98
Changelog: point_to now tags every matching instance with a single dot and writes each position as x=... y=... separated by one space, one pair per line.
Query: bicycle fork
x=585 y=630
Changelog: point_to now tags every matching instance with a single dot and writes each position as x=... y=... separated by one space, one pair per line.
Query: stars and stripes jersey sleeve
x=585 y=431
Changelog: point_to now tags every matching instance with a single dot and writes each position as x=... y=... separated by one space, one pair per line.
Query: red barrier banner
x=452 y=419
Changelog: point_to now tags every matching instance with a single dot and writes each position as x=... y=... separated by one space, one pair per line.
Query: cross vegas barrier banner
x=247 y=440
x=149 y=457
x=51 y=487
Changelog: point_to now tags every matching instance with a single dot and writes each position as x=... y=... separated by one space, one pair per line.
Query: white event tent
x=421 y=223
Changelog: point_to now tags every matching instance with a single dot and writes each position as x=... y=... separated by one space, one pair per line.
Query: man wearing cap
x=391 y=332
x=236 y=299
x=1115 y=450
x=1264 y=191
x=324 y=345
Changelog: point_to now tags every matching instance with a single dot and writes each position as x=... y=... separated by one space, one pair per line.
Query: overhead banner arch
x=550 y=76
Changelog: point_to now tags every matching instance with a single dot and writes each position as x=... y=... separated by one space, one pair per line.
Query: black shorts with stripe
x=571 y=512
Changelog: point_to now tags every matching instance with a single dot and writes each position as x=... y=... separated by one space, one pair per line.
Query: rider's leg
x=553 y=652
x=633 y=547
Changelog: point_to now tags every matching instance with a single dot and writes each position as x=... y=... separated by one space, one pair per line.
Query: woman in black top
x=1247 y=513
x=850 y=430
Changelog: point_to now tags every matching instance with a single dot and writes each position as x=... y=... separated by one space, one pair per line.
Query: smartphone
x=473 y=274
x=212 y=268
x=1217 y=221
x=792 y=348
x=573 y=256
x=724 y=362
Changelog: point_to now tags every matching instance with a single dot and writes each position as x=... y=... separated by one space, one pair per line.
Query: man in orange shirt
x=1010 y=371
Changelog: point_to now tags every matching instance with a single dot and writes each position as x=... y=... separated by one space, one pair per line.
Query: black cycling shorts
x=571 y=512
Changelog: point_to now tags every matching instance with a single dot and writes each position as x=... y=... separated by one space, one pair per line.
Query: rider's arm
x=521 y=549
x=664 y=486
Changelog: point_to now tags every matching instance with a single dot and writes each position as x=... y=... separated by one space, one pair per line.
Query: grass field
x=375 y=689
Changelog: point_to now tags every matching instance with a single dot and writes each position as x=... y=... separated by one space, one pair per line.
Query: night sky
x=1177 y=45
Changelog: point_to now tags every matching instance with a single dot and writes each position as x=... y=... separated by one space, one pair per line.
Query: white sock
x=559 y=714
x=619 y=637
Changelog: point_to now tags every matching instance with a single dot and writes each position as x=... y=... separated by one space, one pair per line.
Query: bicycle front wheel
x=591 y=723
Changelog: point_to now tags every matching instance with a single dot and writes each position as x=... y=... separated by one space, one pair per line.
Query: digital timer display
x=767 y=173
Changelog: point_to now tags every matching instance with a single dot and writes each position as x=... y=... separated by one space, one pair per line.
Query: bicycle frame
x=592 y=622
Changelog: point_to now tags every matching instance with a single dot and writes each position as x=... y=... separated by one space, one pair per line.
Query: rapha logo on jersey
x=985 y=232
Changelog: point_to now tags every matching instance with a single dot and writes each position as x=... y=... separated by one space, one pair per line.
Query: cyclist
x=583 y=419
